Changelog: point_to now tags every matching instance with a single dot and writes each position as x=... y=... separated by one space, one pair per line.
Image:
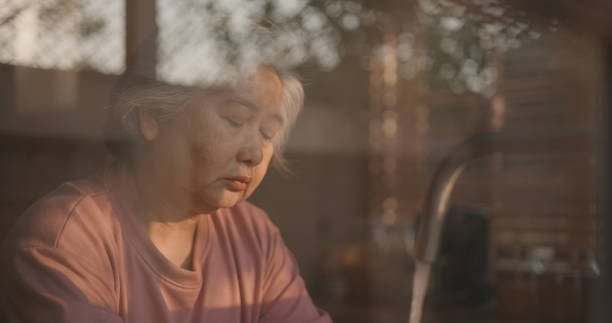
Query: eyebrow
x=251 y=106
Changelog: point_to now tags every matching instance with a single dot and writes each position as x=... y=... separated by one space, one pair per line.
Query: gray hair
x=165 y=101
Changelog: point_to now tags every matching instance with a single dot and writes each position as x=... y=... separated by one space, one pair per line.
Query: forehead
x=262 y=92
x=263 y=88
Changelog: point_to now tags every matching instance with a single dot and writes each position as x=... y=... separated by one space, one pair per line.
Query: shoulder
x=252 y=216
x=250 y=222
x=73 y=216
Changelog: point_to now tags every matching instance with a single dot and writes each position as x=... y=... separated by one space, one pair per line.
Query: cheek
x=208 y=160
x=205 y=149
x=200 y=152
x=170 y=153
x=187 y=160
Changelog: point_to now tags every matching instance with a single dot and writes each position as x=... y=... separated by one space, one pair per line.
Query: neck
x=154 y=204
x=170 y=226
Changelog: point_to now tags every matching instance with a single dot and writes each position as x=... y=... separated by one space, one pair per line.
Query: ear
x=149 y=127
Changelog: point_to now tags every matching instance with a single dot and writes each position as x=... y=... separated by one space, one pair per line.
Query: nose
x=251 y=151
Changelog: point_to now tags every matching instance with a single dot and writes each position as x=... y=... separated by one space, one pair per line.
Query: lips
x=238 y=183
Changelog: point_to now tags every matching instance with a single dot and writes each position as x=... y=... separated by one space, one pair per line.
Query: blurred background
x=391 y=88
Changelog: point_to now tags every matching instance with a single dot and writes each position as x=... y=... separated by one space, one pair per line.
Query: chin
x=224 y=199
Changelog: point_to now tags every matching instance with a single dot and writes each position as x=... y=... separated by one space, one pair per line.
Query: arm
x=285 y=296
x=49 y=284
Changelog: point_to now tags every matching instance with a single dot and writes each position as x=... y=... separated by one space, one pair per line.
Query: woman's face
x=216 y=151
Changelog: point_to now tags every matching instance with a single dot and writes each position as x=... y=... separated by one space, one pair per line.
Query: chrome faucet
x=429 y=234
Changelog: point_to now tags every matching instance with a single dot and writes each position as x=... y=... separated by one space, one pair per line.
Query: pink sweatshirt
x=77 y=255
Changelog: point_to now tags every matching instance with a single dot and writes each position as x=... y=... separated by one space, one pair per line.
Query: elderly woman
x=164 y=233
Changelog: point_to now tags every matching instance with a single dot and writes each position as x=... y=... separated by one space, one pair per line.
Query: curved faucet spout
x=431 y=225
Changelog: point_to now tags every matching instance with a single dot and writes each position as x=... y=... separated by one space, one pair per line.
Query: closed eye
x=269 y=131
x=234 y=123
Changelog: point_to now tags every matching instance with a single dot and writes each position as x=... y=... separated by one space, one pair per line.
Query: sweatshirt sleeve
x=285 y=296
x=49 y=284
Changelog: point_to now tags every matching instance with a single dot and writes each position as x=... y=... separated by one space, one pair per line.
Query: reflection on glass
x=391 y=88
